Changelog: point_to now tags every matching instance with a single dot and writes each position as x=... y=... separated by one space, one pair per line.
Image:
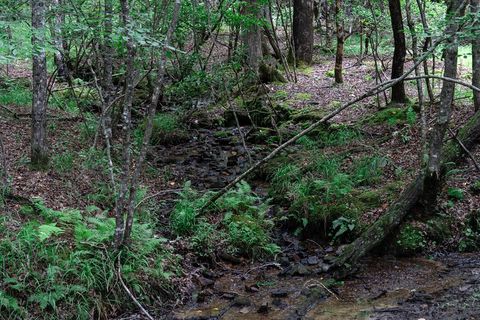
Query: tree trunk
x=127 y=125
x=302 y=30
x=39 y=152
x=59 y=55
x=252 y=36
x=476 y=55
x=340 y=41
x=398 y=91
x=433 y=169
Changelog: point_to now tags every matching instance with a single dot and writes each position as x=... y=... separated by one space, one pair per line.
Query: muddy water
x=446 y=287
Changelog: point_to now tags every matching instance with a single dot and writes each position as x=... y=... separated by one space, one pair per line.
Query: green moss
x=280 y=95
x=167 y=129
x=393 y=116
x=221 y=134
x=303 y=96
x=330 y=73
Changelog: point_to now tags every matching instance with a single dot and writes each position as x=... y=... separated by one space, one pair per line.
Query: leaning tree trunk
x=431 y=175
x=340 y=41
x=398 y=91
x=302 y=30
x=39 y=152
x=476 y=54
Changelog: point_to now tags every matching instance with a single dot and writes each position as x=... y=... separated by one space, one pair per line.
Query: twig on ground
x=130 y=294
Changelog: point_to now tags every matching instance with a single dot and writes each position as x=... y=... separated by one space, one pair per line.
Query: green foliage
x=410 y=239
x=13 y=93
x=89 y=127
x=369 y=170
x=470 y=240
x=455 y=194
x=394 y=116
x=167 y=129
x=335 y=136
x=341 y=226
x=63 y=162
x=60 y=262
x=244 y=229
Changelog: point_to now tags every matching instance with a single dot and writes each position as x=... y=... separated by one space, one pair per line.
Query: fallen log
x=346 y=262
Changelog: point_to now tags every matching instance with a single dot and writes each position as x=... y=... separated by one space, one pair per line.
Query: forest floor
x=294 y=284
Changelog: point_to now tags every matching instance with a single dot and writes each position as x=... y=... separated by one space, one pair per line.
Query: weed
x=63 y=162
x=303 y=96
x=369 y=170
x=410 y=240
x=455 y=194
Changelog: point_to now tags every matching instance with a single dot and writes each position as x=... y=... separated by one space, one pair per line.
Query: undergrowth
x=59 y=264
x=238 y=223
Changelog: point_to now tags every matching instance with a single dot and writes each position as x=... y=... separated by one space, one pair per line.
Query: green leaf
x=45 y=231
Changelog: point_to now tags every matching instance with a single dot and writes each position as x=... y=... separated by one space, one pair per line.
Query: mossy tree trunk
x=302 y=30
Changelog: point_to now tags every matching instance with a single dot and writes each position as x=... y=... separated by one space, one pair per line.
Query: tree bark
x=398 y=91
x=433 y=168
x=475 y=6
x=39 y=151
x=339 y=23
x=302 y=30
x=252 y=36
x=59 y=55
x=127 y=124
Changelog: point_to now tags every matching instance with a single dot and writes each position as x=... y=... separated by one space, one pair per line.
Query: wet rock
x=325 y=267
x=228 y=295
x=204 y=282
x=300 y=270
x=329 y=250
x=264 y=308
x=284 y=261
x=251 y=288
x=279 y=303
x=312 y=260
x=279 y=293
x=241 y=301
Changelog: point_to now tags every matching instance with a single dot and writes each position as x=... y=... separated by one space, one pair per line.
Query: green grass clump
x=15 y=95
x=244 y=229
x=63 y=162
x=61 y=262
x=393 y=116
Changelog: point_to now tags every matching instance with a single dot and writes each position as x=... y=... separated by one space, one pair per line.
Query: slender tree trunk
x=328 y=24
x=302 y=30
x=476 y=54
x=120 y=208
x=39 y=152
x=152 y=108
x=427 y=43
x=398 y=91
x=3 y=171
x=59 y=56
x=339 y=23
x=107 y=79
x=252 y=36
x=413 y=33
x=433 y=168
